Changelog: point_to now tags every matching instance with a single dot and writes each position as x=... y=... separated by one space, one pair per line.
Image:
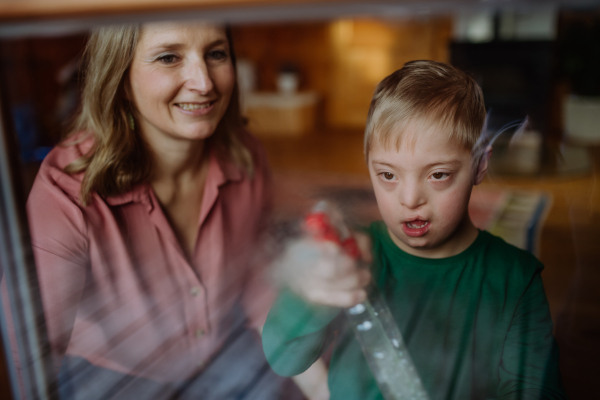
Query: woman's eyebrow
x=177 y=45
x=166 y=46
x=217 y=42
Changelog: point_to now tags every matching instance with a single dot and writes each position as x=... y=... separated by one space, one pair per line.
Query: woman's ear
x=483 y=166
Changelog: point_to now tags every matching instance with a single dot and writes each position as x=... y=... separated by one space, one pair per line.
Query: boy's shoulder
x=508 y=253
x=508 y=263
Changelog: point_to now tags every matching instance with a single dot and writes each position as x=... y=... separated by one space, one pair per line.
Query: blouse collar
x=220 y=172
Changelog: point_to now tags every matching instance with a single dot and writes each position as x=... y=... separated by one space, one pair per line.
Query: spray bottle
x=372 y=321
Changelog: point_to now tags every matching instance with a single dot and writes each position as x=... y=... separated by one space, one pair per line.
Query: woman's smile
x=180 y=82
x=196 y=108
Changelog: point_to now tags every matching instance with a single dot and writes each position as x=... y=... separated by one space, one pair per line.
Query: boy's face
x=423 y=193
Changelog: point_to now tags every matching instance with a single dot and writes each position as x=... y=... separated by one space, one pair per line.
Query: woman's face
x=180 y=81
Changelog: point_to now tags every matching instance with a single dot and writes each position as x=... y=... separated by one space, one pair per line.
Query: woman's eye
x=218 y=55
x=438 y=176
x=167 y=58
x=388 y=176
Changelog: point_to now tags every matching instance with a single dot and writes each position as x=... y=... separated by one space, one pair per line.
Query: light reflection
x=329 y=163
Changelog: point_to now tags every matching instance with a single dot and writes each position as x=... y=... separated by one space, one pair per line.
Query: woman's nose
x=197 y=77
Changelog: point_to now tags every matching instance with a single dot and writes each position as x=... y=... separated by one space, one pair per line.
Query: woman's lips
x=196 y=109
x=415 y=228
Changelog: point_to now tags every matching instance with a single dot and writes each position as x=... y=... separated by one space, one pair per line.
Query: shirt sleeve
x=60 y=249
x=529 y=367
x=296 y=333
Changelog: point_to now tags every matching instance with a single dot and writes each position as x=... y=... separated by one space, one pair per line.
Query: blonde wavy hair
x=118 y=159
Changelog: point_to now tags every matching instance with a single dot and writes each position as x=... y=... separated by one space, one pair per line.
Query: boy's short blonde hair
x=426 y=95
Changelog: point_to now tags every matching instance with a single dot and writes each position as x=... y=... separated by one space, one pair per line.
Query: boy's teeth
x=193 y=106
x=416 y=226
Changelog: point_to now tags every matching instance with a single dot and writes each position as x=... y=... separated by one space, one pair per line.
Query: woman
x=143 y=224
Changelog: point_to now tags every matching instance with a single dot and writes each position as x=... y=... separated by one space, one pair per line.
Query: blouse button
x=195 y=291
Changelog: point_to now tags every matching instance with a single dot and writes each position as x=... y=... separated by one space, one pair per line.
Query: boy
x=471 y=308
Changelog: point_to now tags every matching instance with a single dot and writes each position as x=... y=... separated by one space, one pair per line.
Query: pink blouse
x=116 y=286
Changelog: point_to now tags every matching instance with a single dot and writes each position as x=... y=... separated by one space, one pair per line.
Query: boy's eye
x=388 y=176
x=438 y=176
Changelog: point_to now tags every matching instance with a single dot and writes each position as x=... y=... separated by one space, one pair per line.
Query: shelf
x=27 y=10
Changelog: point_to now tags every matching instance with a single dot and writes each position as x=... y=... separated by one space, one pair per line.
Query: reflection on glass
x=149 y=245
x=144 y=222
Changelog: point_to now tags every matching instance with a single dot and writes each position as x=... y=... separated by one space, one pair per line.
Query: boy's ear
x=483 y=166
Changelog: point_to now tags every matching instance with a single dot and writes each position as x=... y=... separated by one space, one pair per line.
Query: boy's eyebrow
x=382 y=163
x=451 y=162
x=431 y=165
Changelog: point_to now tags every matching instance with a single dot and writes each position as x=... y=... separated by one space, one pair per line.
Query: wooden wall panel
x=366 y=51
x=342 y=60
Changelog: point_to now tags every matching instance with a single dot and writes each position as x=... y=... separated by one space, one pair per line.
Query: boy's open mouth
x=416 y=224
x=415 y=228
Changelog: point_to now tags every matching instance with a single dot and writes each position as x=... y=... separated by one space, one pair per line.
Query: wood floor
x=569 y=248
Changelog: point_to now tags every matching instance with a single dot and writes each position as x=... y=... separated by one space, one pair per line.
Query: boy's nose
x=412 y=197
x=197 y=77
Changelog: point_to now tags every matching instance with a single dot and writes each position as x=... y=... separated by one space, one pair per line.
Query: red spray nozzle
x=318 y=224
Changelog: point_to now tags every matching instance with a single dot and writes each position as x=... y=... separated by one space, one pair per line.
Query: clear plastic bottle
x=374 y=326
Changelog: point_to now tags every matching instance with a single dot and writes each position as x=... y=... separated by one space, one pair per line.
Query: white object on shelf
x=522 y=156
x=246 y=74
x=281 y=114
x=582 y=119
x=281 y=100
x=288 y=82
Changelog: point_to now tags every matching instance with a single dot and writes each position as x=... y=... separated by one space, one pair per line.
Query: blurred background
x=306 y=85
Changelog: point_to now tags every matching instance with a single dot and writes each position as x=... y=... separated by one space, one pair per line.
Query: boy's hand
x=321 y=273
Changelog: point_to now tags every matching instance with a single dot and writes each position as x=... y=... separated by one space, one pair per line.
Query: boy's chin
x=420 y=243
x=405 y=242
x=435 y=244
x=422 y=246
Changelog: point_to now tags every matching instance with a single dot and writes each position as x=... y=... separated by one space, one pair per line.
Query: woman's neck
x=177 y=161
x=178 y=178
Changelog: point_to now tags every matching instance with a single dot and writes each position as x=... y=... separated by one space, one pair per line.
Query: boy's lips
x=415 y=228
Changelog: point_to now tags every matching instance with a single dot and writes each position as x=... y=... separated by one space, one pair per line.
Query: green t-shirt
x=477 y=325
